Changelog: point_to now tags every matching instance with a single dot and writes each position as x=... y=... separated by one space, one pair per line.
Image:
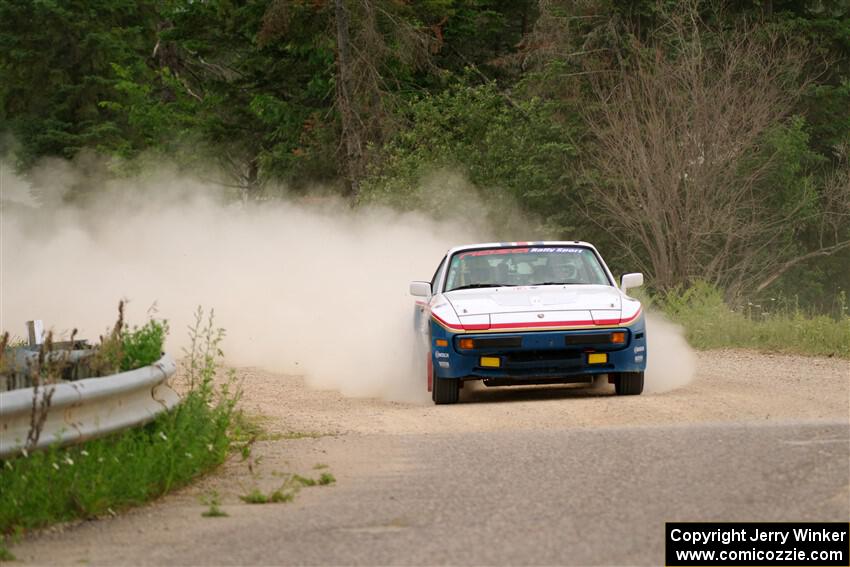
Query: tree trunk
x=353 y=158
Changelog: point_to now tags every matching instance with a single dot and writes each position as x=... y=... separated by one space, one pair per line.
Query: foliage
x=143 y=345
x=771 y=326
x=325 y=479
x=287 y=491
x=511 y=151
x=5 y=554
x=126 y=349
x=718 y=190
x=104 y=475
x=214 y=511
x=256 y=496
x=248 y=93
x=56 y=67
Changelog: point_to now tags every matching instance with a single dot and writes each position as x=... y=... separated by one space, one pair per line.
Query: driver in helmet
x=477 y=270
x=562 y=270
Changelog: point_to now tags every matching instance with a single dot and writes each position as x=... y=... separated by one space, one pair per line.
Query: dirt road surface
x=513 y=476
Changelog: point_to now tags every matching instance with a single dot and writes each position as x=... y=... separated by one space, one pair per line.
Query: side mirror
x=631 y=280
x=420 y=289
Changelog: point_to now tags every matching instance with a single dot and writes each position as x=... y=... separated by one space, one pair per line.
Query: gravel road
x=528 y=476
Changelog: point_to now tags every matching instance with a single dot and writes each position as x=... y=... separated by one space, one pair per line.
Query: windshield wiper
x=478 y=285
x=555 y=283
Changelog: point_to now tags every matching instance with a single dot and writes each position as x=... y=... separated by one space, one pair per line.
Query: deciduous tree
x=687 y=143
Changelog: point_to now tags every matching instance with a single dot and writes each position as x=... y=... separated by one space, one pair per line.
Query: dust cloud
x=302 y=286
x=312 y=288
x=671 y=362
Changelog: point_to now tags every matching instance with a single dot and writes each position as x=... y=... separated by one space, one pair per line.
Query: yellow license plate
x=490 y=362
x=597 y=358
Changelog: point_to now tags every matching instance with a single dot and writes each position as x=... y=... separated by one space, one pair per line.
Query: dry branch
x=681 y=133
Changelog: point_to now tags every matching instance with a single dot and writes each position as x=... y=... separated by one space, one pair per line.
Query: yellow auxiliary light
x=442 y=342
x=597 y=358
x=466 y=343
x=618 y=337
x=490 y=362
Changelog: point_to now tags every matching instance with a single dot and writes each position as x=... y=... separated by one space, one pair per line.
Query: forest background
x=706 y=144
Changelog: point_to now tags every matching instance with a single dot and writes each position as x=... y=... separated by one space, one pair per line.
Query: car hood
x=538 y=299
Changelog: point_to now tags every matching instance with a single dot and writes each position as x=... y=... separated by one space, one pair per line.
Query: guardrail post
x=35 y=330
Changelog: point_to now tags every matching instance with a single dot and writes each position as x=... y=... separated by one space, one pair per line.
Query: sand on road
x=730 y=386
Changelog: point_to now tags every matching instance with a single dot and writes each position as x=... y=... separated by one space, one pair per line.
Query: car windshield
x=545 y=265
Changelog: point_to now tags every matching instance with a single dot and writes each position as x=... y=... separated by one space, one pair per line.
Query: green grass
x=214 y=512
x=5 y=554
x=304 y=481
x=301 y=435
x=256 y=496
x=125 y=349
x=116 y=472
x=323 y=480
x=213 y=501
x=143 y=345
x=709 y=324
x=104 y=475
x=254 y=427
x=287 y=491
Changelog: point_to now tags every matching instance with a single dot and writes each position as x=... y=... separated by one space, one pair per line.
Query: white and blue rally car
x=529 y=313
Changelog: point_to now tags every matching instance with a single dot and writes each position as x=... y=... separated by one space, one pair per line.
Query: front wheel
x=628 y=383
x=445 y=390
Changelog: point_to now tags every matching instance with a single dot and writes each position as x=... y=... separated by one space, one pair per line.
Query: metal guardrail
x=16 y=374
x=16 y=371
x=88 y=408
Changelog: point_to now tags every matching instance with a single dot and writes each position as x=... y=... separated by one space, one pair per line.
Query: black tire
x=445 y=390
x=629 y=383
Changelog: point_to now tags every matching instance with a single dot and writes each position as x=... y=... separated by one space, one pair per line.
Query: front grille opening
x=485 y=343
x=499 y=342
x=589 y=339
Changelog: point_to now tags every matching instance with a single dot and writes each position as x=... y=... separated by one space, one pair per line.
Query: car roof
x=520 y=244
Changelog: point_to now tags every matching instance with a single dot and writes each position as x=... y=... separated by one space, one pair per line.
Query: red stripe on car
x=536 y=324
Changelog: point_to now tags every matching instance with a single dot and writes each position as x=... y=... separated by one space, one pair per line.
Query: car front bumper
x=538 y=355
